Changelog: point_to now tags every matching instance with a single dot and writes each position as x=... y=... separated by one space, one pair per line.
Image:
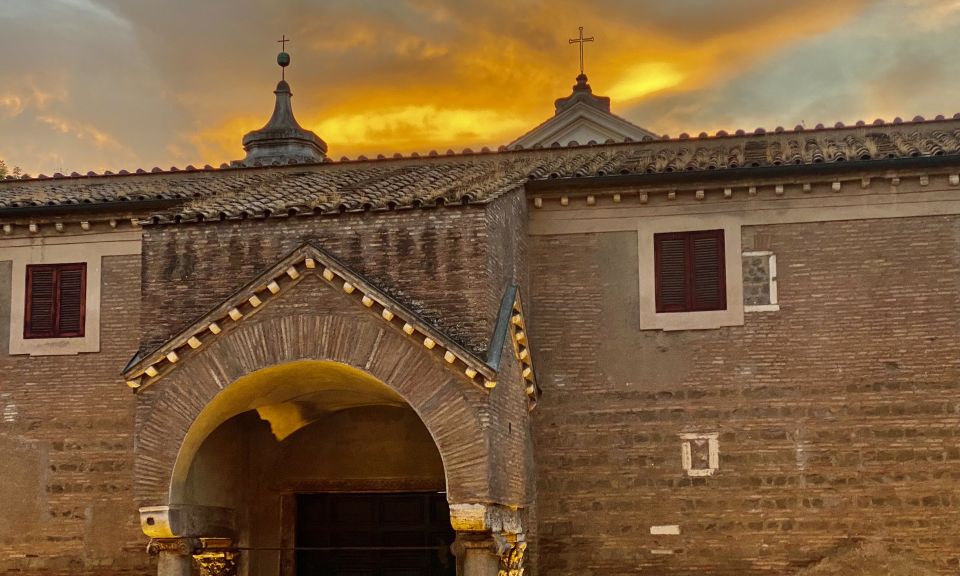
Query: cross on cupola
x=283 y=140
x=283 y=59
x=581 y=41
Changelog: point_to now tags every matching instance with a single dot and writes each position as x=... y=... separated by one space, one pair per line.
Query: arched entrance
x=327 y=470
x=250 y=450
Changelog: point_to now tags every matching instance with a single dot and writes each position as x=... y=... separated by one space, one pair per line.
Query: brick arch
x=450 y=407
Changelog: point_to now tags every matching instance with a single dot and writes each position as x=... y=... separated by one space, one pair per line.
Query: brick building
x=593 y=351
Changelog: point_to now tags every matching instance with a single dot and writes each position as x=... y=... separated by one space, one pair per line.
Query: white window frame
x=89 y=249
x=774 y=305
x=713 y=453
x=650 y=319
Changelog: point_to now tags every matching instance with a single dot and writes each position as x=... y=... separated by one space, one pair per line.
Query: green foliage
x=7 y=171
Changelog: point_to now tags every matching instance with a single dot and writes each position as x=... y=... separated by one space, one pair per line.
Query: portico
x=315 y=405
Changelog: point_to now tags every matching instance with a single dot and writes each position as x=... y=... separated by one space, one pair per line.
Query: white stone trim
x=631 y=211
x=650 y=319
x=665 y=530
x=581 y=123
x=774 y=305
x=713 y=453
x=88 y=249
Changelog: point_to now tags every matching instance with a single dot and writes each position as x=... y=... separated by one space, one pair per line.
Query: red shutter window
x=56 y=295
x=689 y=270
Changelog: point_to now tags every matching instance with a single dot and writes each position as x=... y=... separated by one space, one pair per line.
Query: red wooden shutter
x=708 y=278
x=70 y=305
x=41 y=297
x=670 y=262
x=56 y=297
x=689 y=271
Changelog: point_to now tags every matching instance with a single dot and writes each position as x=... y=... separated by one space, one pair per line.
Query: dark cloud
x=120 y=84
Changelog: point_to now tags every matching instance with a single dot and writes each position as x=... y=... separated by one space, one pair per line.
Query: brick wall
x=837 y=416
x=433 y=260
x=451 y=265
x=66 y=438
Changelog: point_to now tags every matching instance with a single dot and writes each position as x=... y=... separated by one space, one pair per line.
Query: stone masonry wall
x=838 y=416
x=434 y=260
x=507 y=223
x=66 y=439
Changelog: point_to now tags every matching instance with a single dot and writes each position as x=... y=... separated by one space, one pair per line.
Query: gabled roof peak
x=582 y=93
x=582 y=117
x=145 y=369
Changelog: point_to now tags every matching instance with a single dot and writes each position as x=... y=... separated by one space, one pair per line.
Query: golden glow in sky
x=642 y=79
x=119 y=84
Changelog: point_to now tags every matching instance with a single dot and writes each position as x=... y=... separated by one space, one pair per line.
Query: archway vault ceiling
x=294 y=395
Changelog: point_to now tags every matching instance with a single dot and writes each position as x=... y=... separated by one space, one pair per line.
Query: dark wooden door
x=406 y=534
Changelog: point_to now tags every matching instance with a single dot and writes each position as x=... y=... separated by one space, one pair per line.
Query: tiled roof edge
x=722 y=134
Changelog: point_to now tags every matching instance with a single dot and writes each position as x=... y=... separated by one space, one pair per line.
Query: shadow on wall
x=869 y=559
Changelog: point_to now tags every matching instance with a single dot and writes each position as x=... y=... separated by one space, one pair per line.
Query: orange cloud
x=11 y=105
x=221 y=143
x=411 y=127
x=385 y=76
x=81 y=131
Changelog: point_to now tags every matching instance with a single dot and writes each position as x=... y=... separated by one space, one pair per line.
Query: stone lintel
x=180 y=521
x=485 y=518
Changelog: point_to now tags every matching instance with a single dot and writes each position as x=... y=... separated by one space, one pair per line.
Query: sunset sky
x=124 y=84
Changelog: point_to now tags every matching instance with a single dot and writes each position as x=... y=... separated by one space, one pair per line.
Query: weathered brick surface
x=68 y=428
x=433 y=260
x=452 y=268
x=838 y=415
x=447 y=403
x=74 y=431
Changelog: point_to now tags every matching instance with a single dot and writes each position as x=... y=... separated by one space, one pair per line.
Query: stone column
x=175 y=535
x=489 y=540
x=215 y=558
x=476 y=554
x=176 y=555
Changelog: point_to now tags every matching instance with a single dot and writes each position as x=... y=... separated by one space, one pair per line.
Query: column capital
x=215 y=563
x=489 y=554
x=174 y=546
x=486 y=518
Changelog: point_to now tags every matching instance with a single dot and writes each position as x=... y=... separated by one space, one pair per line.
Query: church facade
x=593 y=351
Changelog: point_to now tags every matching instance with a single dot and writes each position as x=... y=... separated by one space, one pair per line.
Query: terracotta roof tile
x=334 y=187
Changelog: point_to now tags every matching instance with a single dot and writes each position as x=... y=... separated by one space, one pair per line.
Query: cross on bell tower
x=581 y=41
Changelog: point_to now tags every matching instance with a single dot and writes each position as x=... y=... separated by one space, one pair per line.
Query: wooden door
x=399 y=534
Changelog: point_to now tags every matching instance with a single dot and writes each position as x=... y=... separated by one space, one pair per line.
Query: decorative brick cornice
x=603 y=193
x=40 y=227
x=282 y=277
x=521 y=348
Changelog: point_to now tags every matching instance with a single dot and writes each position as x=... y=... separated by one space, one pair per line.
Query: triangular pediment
x=286 y=275
x=582 y=123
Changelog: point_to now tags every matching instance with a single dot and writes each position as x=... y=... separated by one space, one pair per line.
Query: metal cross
x=581 y=41
x=283 y=41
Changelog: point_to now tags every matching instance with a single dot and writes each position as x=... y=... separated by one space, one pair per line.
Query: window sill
x=762 y=308
x=706 y=320
x=55 y=346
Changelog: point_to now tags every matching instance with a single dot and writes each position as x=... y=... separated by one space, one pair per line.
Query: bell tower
x=283 y=140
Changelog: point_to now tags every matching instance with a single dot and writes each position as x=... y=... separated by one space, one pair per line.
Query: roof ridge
x=434 y=156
